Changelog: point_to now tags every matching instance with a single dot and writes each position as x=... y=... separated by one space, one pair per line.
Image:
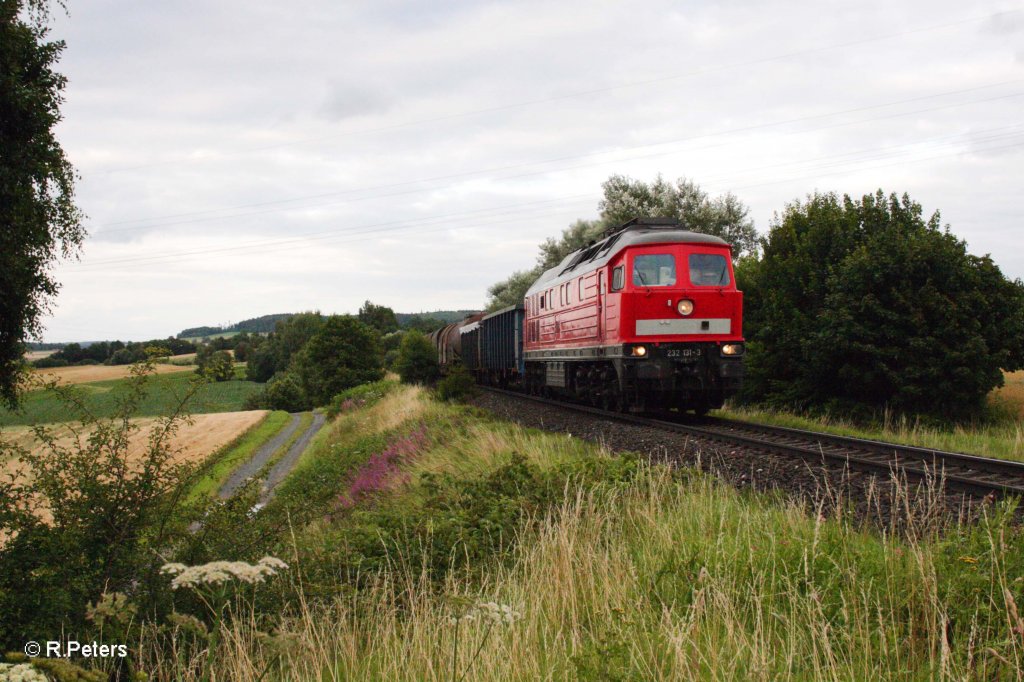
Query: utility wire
x=341 y=236
x=595 y=91
x=198 y=216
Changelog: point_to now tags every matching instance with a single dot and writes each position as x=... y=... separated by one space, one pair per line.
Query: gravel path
x=821 y=488
x=259 y=459
x=285 y=464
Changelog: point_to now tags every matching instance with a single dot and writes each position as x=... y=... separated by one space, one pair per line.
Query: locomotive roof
x=634 y=233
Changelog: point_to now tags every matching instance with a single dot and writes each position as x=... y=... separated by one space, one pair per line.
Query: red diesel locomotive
x=647 y=317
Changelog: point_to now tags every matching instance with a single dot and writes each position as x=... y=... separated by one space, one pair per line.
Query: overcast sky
x=241 y=158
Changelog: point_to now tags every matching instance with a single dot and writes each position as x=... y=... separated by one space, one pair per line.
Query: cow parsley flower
x=490 y=613
x=220 y=572
x=22 y=672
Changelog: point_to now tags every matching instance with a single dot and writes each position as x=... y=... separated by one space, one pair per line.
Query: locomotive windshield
x=655 y=270
x=708 y=270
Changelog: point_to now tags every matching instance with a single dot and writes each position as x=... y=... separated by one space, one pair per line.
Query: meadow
x=103 y=399
x=427 y=541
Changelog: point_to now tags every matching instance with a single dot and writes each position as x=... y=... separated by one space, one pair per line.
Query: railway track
x=968 y=473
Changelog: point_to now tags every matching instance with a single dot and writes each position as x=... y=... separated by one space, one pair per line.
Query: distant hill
x=37 y=346
x=266 y=323
x=443 y=315
x=256 y=325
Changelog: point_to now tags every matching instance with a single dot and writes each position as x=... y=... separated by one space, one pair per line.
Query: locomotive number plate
x=683 y=353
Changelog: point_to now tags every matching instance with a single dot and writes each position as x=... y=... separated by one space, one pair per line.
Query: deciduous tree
x=38 y=217
x=342 y=354
x=417 y=359
x=724 y=216
x=865 y=304
x=379 y=317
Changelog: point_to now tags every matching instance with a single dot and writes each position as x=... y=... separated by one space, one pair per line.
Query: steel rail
x=968 y=473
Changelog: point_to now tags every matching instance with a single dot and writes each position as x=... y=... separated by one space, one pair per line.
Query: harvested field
x=183 y=359
x=86 y=373
x=196 y=441
x=33 y=355
x=1012 y=393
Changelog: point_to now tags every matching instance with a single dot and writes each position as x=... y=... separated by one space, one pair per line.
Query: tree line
x=851 y=304
x=115 y=352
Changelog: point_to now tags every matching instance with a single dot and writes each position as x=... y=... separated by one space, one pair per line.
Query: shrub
x=417 y=359
x=864 y=304
x=342 y=354
x=282 y=392
x=216 y=366
x=87 y=519
x=44 y=363
x=457 y=386
x=363 y=395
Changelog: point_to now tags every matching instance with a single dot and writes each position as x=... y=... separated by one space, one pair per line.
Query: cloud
x=241 y=158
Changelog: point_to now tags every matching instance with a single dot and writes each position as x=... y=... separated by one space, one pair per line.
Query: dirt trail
x=284 y=466
x=252 y=466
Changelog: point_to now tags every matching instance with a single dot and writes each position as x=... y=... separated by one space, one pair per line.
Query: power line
x=340 y=236
x=197 y=214
x=595 y=91
x=327 y=234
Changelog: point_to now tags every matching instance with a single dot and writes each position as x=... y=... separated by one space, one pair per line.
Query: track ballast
x=971 y=474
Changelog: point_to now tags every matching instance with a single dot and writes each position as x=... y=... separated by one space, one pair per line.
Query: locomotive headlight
x=732 y=349
x=685 y=307
x=639 y=351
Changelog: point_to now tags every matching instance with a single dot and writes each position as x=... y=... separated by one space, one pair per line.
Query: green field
x=104 y=398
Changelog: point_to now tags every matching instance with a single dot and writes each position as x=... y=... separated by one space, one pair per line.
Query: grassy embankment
x=220 y=465
x=1002 y=436
x=406 y=514
x=102 y=398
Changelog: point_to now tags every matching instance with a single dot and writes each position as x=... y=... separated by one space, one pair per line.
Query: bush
x=87 y=520
x=363 y=395
x=457 y=386
x=417 y=359
x=282 y=392
x=216 y=366
x=342 y=354
x=864 y=305
x=45 y=363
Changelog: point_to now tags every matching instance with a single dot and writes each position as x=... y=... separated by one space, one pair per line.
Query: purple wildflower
x=382 y=471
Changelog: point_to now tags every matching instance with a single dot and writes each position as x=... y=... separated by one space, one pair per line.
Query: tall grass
x=1003 y=438
x=664 y=575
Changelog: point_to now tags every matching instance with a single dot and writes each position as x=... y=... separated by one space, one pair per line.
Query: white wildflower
x=219 y=572
x=23 y=672
x=273 y=562
x=172 y=569
x=491 y=613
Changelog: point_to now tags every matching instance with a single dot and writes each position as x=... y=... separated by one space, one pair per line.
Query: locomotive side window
x=618 y=278
x=708 y=270
x=655 y=270
x=582 y=295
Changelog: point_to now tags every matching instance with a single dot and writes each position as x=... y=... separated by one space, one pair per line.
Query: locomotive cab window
x=654 y=270
x=618 y=278
x=708 y=270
